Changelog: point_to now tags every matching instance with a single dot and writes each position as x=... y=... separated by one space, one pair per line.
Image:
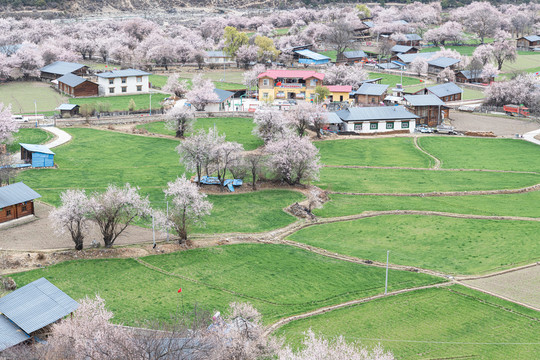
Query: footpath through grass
x=399 y=151
x=449 y=245
x=279 y=280
x=236 y=128
x=445 y=323
x=29 y=136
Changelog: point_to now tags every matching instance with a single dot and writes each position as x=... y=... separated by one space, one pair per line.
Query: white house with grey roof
x=217 y=57
x=123 y=82
x=366 y=120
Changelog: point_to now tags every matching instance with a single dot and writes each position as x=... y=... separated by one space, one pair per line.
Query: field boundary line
x=426 y=169
x=278 y=324
x=438 y=162
x=499 y=296
x=502 y=272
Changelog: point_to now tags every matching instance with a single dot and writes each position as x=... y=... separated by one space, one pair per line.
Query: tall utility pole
x=386 y=281
x=150 y=103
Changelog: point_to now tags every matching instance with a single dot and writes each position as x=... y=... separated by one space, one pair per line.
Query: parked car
x=424 y=129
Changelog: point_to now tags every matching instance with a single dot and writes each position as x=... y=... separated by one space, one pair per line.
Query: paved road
x=530 y=136
x=62 y=137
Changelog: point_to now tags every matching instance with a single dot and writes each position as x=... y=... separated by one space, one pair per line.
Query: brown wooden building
x=402 y=49
x=446 y=92
x=472 y=76
x=16 y=201
x=370 y=94
x=429 y=108
x=60 y=68
x=76 y=86
x=528 y=43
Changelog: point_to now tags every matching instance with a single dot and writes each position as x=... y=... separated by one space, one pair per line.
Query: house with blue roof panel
x=37 y=155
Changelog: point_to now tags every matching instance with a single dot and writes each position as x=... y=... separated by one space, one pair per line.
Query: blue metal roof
x=371 y=89
x=10 y=334
x=424 y=100
x=15 y=194
x=36 y=305
x=375 y=113
x=37 y=148
x=223 y=94
x=61 y=67
x=71 y=79
x=122 y=73
x=354 y=54
x=66 y=107
x=445 y=89
x=443 y=62
x=408 y=58
x=312 y=55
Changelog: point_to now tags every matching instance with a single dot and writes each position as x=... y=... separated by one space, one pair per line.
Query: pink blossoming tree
x=201 y=93
x=72 y=216
x=180 y=119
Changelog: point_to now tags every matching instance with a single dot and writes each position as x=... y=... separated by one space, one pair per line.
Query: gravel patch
x=500 y=126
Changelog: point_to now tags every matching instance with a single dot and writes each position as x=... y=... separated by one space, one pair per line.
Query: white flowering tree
x=176 y=86
x=306 y=115
x=201 y=93
x=226 y=154
x=269 y=123
x=189 y=206
x=180 y=119
x=8 y=126
x=115 y=209
x=294 y=159
x=419 y=65
x=71 y=216
x=345 y=75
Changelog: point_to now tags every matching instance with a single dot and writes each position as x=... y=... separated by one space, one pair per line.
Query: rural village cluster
x=309 y=181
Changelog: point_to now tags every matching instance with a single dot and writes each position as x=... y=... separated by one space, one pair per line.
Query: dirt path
x=437 y=164
x=500 y=126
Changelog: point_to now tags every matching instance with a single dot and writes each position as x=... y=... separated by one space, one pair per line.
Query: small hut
x=68 y=110
x=16 y=201
x=37 y=155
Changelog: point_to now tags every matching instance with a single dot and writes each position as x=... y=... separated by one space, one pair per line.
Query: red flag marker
x=180 y=290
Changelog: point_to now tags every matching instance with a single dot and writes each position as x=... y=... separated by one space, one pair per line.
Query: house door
x=291 y=95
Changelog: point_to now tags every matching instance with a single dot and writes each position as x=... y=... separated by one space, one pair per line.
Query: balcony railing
x=291 y=85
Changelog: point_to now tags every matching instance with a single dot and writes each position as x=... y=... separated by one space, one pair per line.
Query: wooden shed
x=16 y=201
x=77 y=86
x=37 y=155
x=68 y=110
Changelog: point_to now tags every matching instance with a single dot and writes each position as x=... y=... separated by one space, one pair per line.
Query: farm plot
x=521 y=285
x=419 y=181
x=235 y=128
x=277 y=279
x=449 y=245
x=29 y=136
x=443 y=323
x=21 y=96
x=398 y=151
x=475 y=153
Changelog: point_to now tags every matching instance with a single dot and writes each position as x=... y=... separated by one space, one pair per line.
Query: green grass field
x=525 y=62
x=469 y=94
x=505 y=204
x=21 y=95
x=419 y=181
x=158 y=81
x=373 y=152
x=121 y=102
x=279 y=280
x=445 y=323
x=474 y=153
x=236 y=129
x=450 y=245
x=29 y=136
x=463 y=50
x=391 y=80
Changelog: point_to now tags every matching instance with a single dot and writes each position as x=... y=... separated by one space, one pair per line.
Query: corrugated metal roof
x=10 y=334
x=71 y=80
x=312 y=55
x=16 y=194
x=217 y=54
x=223 y=94
x=413 y=37
x=445 y=89
x=333 y=118
x=66 y=107
x=400 y=48
x=122 y=73
x=375 y=113
x=389 y=65
x=470 y=74
x=339 y=88
x=443 y=62
x=61 y=67
x=371 y=89
x=369 y=23
x=354 y=54
x=302 y=74
x=37 y=305
x=37 y=148
x=408 y=58
x=423 y=100
x=532 y=38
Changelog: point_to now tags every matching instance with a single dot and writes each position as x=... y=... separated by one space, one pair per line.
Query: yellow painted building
x=288 y=84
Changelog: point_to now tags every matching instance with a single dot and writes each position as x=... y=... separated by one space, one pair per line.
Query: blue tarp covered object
x=212 y=180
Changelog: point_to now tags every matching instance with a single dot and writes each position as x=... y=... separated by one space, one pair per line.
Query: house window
x=280 y=95
x=266 y=82
x=23 y=208
x=404 y=124
x=139 y=78
x=373 y=126
x=313 y=82
x=358 y=127
x=111 y=90
x=124 y=80
x=111 y=81
x=389 y=125
x=124 y=88
x=8 y=212
x=139 y=87
x=265 y=95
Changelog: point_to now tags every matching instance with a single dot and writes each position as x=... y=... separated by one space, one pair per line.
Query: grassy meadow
x=121 y=102
x=22 y=94
x=28 y=136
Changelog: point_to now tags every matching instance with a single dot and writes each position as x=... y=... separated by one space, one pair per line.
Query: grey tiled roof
x=71 y=80
x=122 y=73
x=443 y=62
x=445 y=89
x=333 y=118
x=375 y=113
x=61 y=67
x=423 y=100
x=15 y=194
x=36 y=305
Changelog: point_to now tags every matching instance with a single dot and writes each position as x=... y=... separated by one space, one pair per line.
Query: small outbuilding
x=68 y=110
x=16 y=201
x=76 y=86
x=370 y=93
x=472 y=76
x=310 y=57
x=351 y=57
x=37 y=155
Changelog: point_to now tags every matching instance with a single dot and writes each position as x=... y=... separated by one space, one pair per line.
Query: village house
x=224 y=102
x=76 y=86
x=289 y=84
x=123 y=82
x=372 y=94
x=68 y=110
x=217 y=57
x=412 y=40
x=16 y=201
x=430 y=110
x=402 y=49
x=339 y=93
x=393 y=65
x=60 y=68
x=306 y=56
x=351 y=57
x=446 y=92
x=472 y=76
x=375 y=119
x=361 y=32
x=529 y=43
x=407 y=59
x=439 y=64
